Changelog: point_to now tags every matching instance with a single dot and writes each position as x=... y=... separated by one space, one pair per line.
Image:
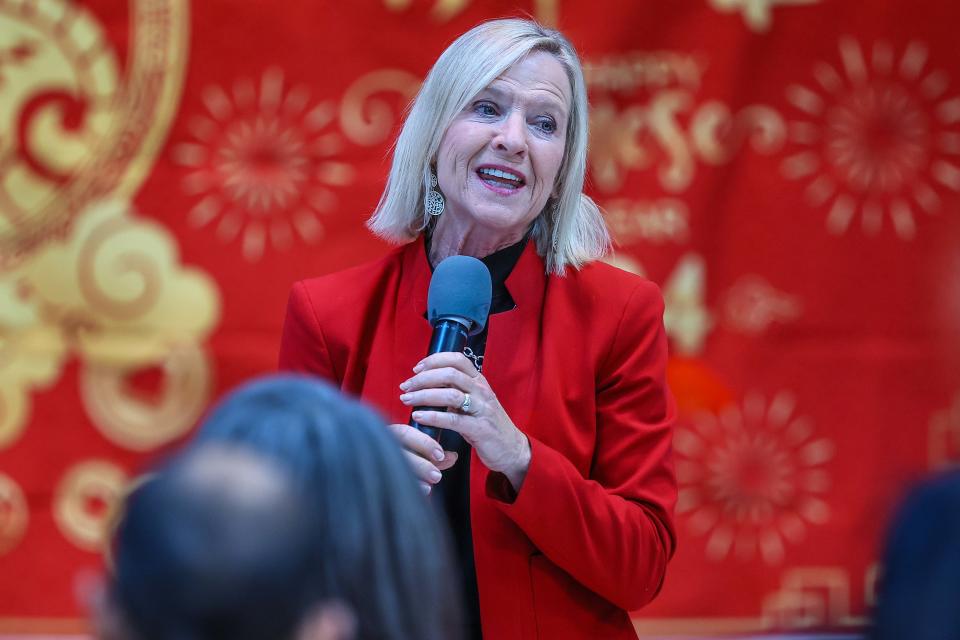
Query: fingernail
x=417 y=415
x=404 y=385
x=418 y=368
x=405 y=397
x=425 y=488
x=435 y=476
x=439 y=455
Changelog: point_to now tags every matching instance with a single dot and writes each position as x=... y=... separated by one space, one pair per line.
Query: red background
x=858 y=327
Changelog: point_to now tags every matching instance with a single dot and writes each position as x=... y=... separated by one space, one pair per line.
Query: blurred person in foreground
x=379 y=548
x=217 y=545
x=557 y=478
x=919 y=594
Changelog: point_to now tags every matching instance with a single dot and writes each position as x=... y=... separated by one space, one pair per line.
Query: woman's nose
x=511 y=137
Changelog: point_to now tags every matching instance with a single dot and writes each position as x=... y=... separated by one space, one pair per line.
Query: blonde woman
x=555 y=472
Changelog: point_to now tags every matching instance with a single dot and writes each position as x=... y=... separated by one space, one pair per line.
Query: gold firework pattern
x=752 y=478
x=262 y=164
x=876 y=136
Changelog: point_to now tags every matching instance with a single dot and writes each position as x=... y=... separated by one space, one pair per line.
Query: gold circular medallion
x=13 y=514
x=141 y=423
x=85 y=502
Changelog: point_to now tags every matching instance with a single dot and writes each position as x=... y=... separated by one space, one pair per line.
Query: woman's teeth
x=500 y=178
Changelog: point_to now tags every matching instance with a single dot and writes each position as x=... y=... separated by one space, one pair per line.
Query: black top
x=452 y=493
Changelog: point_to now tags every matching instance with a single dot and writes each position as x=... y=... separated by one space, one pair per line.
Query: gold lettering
x=655 y=221
x=677 y=174
x=643 y=70
x=615 y=144
x=634 y=138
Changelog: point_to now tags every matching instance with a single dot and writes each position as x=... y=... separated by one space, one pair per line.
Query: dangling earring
x=435 y=202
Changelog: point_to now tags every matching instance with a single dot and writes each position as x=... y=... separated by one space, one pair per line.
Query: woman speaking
x=557 y=480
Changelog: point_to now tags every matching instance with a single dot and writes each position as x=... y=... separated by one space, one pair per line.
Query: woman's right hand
x=425 y=455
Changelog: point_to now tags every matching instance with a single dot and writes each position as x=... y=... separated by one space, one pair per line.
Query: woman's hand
x=426 y=457
x=446 y=380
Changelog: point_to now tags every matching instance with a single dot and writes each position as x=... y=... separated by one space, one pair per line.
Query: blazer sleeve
x=613 y=531
x=303 y=346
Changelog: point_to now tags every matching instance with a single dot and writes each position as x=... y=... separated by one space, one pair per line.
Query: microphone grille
x=460 y=287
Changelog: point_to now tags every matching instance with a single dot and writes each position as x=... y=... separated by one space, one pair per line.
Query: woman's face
x=498 y=160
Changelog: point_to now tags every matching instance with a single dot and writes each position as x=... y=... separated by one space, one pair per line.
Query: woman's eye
x=547 y=125
x=485 y=109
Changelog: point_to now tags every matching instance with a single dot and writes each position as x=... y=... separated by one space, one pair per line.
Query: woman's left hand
x=446 y=380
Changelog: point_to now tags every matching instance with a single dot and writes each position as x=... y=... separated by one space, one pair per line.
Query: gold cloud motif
x=31 y=356
x=115 y=294
x=118 y=281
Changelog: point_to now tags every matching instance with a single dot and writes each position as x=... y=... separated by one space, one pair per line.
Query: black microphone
x=458 y=304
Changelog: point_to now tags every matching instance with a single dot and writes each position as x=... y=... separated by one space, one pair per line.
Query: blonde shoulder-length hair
x=570 y=230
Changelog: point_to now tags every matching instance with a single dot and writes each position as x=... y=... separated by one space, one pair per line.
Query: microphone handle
x=448 y=335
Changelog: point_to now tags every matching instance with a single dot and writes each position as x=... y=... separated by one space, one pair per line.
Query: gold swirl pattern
x=13 y=514
x=367 y=120
x=86 y=498
x=121 y=270
x=70 y=131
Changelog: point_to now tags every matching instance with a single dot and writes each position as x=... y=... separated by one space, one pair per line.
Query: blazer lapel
x=511 y=357
x=513 y=339
x=412 y=331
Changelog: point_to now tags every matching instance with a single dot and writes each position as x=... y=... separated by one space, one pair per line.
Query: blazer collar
x=513 y=338
x=526 y=283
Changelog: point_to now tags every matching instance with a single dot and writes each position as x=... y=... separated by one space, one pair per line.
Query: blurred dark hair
x=383 y=552
x=214 y=546
x=919 y=596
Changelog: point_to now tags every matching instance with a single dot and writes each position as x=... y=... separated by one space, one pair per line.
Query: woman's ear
x=331 y=620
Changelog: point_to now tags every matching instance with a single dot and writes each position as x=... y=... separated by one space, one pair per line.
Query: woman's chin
x=501 y=220
x=502 y=224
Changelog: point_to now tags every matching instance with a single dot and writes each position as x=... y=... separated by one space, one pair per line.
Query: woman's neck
x=452 y=239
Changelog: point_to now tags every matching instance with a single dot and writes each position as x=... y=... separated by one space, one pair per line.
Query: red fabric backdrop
x=787 y=170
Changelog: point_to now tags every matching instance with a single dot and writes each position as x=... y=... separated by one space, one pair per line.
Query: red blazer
x=579 y=366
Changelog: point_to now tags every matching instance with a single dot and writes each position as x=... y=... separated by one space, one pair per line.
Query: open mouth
x=500 y=178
